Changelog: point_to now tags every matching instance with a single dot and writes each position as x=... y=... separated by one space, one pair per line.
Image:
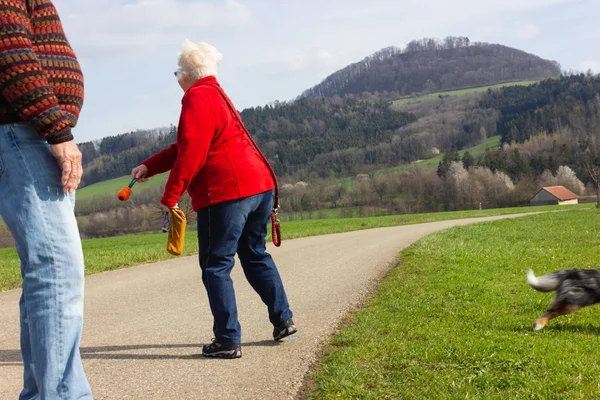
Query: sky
x=275 y=49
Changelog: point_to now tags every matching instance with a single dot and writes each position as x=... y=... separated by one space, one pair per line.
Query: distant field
x=461 y=92
x=124 y=251
x=112 y=186
x=476 y=151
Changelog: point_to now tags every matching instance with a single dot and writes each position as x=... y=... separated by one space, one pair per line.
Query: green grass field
x=492 y=142
x=461 y=92
x=112 y=186
x=124 y=251
x=453 y=320
x=476 y=151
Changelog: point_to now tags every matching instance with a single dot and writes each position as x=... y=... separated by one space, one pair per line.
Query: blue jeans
x=238 y=226
x=42 y=221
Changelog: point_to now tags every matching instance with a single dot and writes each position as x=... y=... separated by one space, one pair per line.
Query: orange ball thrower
x=125 y=193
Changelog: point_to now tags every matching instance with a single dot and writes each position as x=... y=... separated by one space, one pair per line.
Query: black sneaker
x=219 y=349
x=284 y=329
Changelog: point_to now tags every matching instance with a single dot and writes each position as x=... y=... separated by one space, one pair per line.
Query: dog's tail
x=545 y=283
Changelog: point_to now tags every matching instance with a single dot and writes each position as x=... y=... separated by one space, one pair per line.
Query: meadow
x=454 y=319
x=460 y=92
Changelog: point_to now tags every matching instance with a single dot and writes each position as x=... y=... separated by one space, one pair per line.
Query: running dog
x=575 y=288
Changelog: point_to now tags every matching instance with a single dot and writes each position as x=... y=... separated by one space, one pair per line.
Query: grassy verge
x=124 y=251
x=453 y=321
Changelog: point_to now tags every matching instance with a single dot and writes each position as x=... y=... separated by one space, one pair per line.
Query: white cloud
x=594 y=65
x=138 y=27
x=443 y=11
x=513 y=29
x=529 y=31
x=325 y=57
x=313 y=58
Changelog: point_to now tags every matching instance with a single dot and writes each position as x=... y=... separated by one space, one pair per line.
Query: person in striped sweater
x=41 y=87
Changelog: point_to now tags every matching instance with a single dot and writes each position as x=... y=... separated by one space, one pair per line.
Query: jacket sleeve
x=197 y=128
x=162 y=161
x=23 y=83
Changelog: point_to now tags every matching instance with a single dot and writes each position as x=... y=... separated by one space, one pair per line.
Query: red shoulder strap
x=275 y=225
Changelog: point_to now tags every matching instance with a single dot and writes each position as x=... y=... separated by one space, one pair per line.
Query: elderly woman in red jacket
x=231 y=185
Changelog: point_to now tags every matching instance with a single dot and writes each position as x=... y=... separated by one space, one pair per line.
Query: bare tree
x=381 y=185
x=592 y=167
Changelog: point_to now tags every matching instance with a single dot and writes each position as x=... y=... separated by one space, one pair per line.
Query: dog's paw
x=537 y=326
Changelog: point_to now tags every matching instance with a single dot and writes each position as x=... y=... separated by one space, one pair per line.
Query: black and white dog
x=575 y=288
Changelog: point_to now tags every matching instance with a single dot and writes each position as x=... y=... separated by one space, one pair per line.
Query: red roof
x=560 y=192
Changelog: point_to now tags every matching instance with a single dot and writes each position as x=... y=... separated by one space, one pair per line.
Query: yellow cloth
x=176 y=231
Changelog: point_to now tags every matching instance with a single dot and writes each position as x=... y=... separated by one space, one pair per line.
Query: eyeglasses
x=177 y=73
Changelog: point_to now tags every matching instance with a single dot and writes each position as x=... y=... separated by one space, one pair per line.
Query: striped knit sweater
x=40 y=78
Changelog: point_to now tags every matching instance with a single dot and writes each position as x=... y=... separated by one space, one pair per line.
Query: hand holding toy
x=124 y=193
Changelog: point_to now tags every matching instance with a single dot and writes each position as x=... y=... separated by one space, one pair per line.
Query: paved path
x=145 y=325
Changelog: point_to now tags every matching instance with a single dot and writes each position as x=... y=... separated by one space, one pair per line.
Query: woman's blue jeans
x=240 y=227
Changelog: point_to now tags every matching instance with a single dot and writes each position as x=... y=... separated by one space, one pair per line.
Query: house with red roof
x=554 y=195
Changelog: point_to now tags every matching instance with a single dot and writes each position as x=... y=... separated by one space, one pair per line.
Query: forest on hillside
x=345 y=136
x=550 y=106
x=292 y=135
x=431 y=65
x=357 y=133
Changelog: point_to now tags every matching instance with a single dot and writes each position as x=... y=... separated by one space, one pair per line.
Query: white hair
x=197 y=60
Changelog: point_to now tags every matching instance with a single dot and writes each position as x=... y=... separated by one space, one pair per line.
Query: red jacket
x=213 y=158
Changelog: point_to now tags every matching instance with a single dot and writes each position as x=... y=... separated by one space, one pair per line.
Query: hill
x=429 y=65
x=358 y=133
x=292 y=135
x=519 y=135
